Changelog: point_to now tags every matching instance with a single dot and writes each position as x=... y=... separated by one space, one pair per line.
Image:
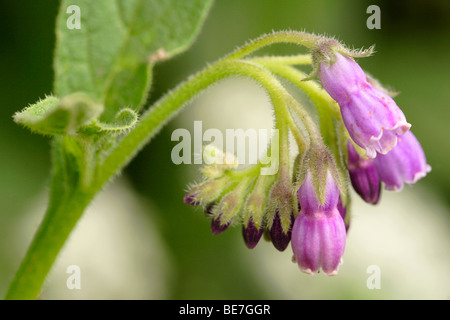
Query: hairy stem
x=54 y=230
x=320 y=97
x=297 y=37
x=299 y=59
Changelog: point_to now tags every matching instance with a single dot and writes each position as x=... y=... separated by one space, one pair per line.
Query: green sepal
x=282 y=198
x=318 y=160
x=232 y=203
x=255 y=207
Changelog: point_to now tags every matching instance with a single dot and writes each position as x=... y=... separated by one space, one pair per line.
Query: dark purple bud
x=343 y=212
x=363 y=175
x=189 y=199
x=366 y=183
x=279 y=238
x=217 y=226
x=252 y=234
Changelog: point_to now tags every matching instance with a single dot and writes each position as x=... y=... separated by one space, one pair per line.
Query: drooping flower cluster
x=374 y=122
x=309 y=207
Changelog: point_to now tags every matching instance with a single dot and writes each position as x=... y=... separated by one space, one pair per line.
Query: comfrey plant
x=102 y=79
x=362 y=135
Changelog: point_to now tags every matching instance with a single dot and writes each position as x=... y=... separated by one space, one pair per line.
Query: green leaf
x=53 y=116
x=112 y=54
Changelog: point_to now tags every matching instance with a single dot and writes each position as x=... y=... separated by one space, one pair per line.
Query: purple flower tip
x=217 y=227
x=363 y=175
x=406 y=163
x=189 y=199
x=280 y=240
x=371 y=117
x=252 y=234
x=319 y=242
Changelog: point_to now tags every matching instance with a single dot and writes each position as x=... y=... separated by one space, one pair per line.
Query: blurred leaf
x=110 y=57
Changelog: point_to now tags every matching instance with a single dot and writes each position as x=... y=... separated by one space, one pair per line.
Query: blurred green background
x=412 y=47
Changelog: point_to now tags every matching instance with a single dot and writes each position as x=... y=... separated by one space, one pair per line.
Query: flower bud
x=254 y=211
x=279 y=235
x=363 y=175
x=252 y=234
x=219 y=225
x=229 y=207
x=189 y=199
x=206 y=192
x=282 y=206
x=217 y=162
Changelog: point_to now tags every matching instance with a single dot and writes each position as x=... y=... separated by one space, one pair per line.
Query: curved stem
x=319 y=96
x=295 y=76
x=158 y=115
x=298 y=59
x=332 y=127
x=309 y=123
x=284 y=147
x=276 y=93
x=327 y=108
x=301 y=38
x=298 y=136
x=280 y=96
x=167 y=107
